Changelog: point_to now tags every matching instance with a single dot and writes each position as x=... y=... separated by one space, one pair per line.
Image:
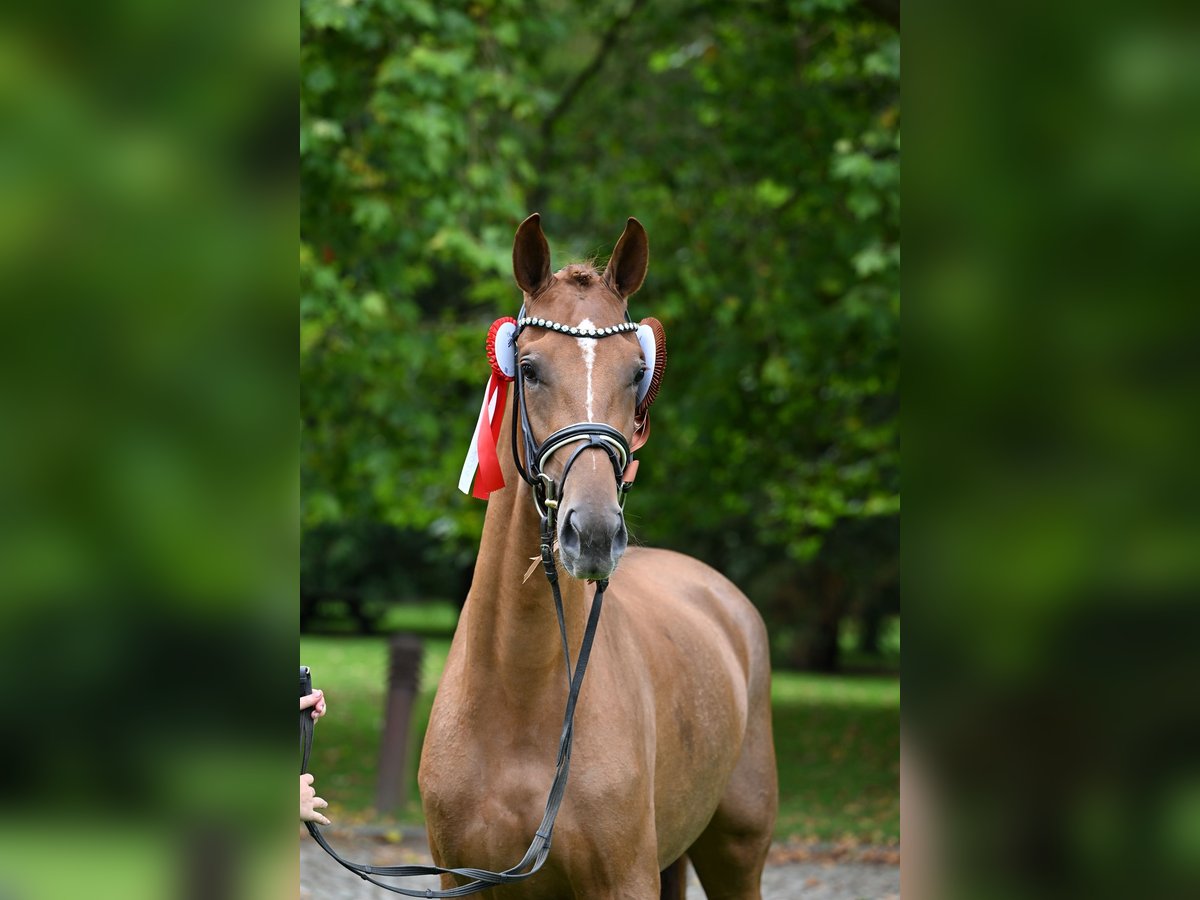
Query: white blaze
x=588 y=345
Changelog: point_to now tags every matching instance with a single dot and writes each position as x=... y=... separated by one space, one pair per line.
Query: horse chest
x=485 y=792
x=504 y=782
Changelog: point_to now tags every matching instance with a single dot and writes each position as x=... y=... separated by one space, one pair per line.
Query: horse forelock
x=583 y=274
x=578 y=281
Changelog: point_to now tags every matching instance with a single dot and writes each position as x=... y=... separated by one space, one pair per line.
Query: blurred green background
x=1052 y=382
x=148 y=449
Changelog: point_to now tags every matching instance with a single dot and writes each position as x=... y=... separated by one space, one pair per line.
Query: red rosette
x=503 y=363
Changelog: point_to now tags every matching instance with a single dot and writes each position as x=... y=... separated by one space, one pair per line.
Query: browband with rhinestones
x=576 y=332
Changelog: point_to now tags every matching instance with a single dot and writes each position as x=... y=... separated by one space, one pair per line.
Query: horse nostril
x=568 y=534
x=621 y=539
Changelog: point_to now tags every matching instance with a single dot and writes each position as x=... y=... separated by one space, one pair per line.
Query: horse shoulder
x=684 y=589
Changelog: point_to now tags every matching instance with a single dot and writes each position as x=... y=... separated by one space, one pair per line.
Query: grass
x=837 y=741
x=837 y=744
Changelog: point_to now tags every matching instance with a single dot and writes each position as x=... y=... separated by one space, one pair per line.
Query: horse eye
x=528 y=372
x=641 y=373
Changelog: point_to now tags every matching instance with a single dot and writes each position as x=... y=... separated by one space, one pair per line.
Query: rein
x=546 y=493
x=539 y=849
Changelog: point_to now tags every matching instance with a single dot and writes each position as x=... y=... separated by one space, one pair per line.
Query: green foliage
x=758 y=143
x=408 y=189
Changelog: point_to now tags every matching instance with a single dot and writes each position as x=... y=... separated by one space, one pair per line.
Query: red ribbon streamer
x=489 y=478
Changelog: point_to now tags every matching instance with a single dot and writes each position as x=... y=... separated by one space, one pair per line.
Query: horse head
x=582 y=374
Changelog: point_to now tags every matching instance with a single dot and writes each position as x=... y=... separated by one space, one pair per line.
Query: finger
x=318 y=803
x=311 y=699
x=309 y=815
x=306 y=778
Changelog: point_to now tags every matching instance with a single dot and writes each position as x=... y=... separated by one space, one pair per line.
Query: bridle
x=546 y=495
x=546 y=490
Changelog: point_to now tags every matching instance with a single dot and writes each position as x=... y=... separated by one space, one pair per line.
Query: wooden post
x=404 y=676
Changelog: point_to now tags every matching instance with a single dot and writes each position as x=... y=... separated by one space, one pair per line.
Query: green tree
x=758 y=143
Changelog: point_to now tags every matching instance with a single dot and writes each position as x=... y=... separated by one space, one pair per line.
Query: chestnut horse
x=673 y=752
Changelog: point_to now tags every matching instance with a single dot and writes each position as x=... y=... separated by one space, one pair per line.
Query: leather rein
x=546 y=494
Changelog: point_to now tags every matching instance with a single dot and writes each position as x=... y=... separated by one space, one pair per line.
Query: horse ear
x=531 y=256
x=627 y=266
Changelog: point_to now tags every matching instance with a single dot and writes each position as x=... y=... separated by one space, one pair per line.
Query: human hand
x=316 y=700
x=310 y=802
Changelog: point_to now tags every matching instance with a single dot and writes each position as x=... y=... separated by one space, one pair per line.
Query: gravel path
x=799 y=872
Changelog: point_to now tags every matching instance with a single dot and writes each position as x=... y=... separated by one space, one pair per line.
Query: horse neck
x=513 y=635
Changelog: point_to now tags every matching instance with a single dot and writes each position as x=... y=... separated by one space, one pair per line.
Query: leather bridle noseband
x=546 y=495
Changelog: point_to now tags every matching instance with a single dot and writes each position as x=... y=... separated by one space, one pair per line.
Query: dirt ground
x=794 y=872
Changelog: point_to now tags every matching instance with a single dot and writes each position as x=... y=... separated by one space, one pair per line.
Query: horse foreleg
x=673 y=885
x=730 y=854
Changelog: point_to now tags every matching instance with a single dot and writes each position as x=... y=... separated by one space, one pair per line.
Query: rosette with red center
x=483 y=463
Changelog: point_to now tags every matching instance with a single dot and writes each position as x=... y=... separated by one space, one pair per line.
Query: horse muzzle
x=591 y=540
x=588 y=521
